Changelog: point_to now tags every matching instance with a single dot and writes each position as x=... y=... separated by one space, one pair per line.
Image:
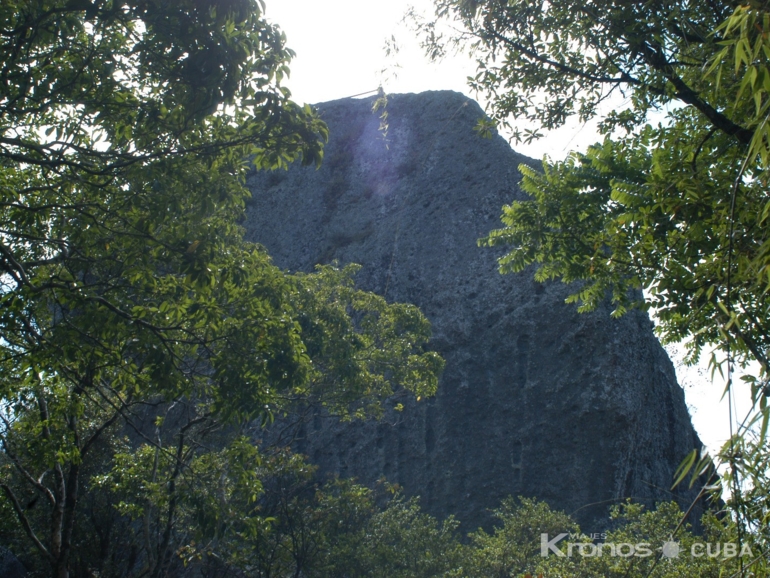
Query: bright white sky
x=340 y=53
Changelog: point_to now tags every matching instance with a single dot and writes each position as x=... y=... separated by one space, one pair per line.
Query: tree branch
x=36 y=483
x=689 y=96
x=25 y=523
x=518 y=47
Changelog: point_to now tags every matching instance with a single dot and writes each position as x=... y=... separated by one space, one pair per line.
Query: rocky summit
x=579 y=410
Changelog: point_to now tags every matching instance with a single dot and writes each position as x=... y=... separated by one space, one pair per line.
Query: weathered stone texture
x=536 y=400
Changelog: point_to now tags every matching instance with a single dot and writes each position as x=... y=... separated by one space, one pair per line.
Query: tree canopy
x=137 y=325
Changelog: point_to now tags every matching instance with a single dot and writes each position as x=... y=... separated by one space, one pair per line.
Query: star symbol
x=671 y=549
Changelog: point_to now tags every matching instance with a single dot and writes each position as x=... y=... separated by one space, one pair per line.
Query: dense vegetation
x=145 y=343
x=141 y=336
x=670 y=216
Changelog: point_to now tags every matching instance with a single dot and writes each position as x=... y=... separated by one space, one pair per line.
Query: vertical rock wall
x=536 y=400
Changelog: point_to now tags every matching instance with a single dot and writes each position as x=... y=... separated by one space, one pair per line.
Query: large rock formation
x=536 y=399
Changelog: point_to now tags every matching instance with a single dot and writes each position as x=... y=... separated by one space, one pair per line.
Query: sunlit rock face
x=536 y=399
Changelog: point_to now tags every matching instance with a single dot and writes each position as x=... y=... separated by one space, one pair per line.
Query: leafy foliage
x=672 y=216
x=137 y=325
x=621 y=218
x=268 y=516
x=297 y=527
x=544 y=61
x=361 y=346
x=751 y=458
x=632 y=548
x=513 y=549
x=678 y=209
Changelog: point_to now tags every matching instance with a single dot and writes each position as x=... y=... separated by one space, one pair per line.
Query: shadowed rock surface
x=10 y=567
x=536 y=400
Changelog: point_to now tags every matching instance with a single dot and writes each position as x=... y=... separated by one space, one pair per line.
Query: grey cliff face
x=536 y=399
